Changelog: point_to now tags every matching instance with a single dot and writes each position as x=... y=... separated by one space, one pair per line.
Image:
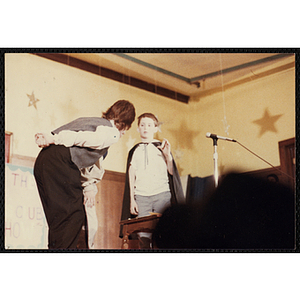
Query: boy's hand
x=133 y=207
x=165 y=148
x=89 y=198
x=43 y=139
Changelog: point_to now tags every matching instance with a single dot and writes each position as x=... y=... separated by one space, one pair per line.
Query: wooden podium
x=142 y=224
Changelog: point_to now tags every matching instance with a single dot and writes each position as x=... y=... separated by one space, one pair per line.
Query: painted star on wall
x=185 y=136
x=33 y=100
x=267 y=122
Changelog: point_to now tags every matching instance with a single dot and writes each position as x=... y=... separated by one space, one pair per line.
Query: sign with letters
x=25 y=222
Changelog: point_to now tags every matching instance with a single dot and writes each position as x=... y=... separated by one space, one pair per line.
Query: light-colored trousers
x=155 y=203
x=92 y=224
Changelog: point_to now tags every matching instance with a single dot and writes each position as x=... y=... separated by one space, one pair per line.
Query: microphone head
x=208 y=134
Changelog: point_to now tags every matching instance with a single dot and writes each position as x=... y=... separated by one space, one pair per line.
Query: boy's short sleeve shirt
x=150 y=170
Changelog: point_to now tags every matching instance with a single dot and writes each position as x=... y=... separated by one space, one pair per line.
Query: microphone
x=214 y=136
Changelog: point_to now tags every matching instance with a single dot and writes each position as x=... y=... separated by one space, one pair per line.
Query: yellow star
x=267 y=122
x=185 y=136
x=33 y=100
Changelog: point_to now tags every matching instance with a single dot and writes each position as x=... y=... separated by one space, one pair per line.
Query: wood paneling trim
x=8 y=136
x=107 y=73
x=109 y=201
x=264 y=173
x=115 y=176
x=287 y=159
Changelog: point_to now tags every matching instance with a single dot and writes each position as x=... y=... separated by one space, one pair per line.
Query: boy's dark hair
x=123 y=114
x=148 y=115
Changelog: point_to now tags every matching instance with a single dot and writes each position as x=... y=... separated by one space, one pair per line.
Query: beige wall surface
x=258 y=113
x=66 y=93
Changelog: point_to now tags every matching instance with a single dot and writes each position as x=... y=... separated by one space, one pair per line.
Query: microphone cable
x=265 y=160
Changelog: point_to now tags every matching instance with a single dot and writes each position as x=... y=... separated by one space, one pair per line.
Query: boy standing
x=152 y=180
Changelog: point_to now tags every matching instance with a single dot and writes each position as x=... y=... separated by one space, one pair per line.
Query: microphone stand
x=215 y=158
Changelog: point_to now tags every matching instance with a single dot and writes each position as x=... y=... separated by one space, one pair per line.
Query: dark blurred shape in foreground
x=244 y=212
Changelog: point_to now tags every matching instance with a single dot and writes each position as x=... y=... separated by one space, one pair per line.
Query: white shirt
x=103 y=137
x=150 y=170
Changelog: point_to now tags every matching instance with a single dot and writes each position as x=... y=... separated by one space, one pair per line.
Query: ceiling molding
x=153 y=67
x=239 y=67
x=117 y=76
x=196 y=79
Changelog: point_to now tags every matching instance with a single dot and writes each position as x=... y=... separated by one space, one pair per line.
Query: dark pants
x=59 y=186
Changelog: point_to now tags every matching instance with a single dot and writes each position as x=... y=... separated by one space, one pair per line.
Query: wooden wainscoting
x=108 y=207
x=286 y=172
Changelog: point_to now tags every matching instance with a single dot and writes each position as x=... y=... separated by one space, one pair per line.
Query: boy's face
x=147 y=129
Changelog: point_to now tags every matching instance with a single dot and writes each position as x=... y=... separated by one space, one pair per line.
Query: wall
x=66 y=93
x=232 y=112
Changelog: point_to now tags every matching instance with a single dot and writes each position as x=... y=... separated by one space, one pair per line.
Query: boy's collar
x=154 y=142
x=112 y=122
x=151 y=141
